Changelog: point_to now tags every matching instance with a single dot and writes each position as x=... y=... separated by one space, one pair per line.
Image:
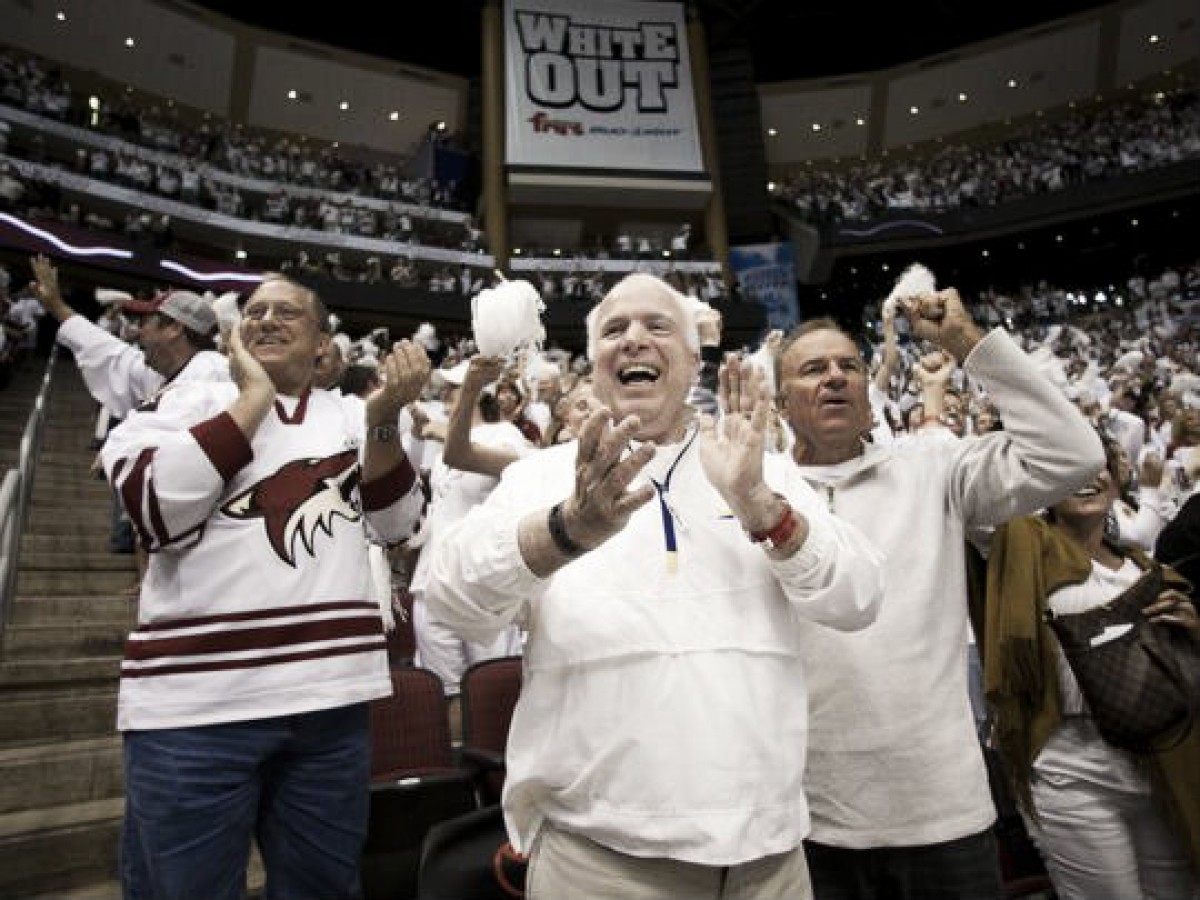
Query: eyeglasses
x=283 y=312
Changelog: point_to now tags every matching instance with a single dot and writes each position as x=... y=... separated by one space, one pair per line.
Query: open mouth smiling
x=639 y=373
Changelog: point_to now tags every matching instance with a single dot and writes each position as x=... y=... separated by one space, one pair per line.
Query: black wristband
x=558 y=533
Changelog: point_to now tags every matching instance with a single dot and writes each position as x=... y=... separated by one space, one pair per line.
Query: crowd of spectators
x=317 y=190
x=218 y=166
x=295 y=186
x=20 y=314
x=1087 y=145
x=1133 y=348
x=39 y=86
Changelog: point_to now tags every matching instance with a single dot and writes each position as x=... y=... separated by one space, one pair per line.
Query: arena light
x=59 y=244
x=180 y=269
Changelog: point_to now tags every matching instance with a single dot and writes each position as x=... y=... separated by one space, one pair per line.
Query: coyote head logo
x=301 y=497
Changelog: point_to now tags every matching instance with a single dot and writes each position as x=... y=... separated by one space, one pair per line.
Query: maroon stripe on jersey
x=132 y=489
x=276 y=612
x=181 y=538
x=224 y=443
x=255 y=663
x=160 y=526
x=382 y=492
x=266 y=638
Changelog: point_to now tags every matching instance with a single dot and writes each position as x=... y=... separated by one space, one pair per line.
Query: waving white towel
x=507 y=317
x=913 y=282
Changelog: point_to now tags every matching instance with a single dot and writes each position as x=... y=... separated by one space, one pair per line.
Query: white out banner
x=599 y=84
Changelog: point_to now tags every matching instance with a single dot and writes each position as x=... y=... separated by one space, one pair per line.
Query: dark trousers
x=963 y=869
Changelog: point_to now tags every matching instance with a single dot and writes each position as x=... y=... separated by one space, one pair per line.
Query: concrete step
x=111 y=889
x=90 y=672
x=36 y=715
x=71 y=493
x=60 y=773
x=48 y=851
x=72 y=419
x=75 y=446
x=46 y=519
x=58 y=560
x=73 y=479
x=67 y=424
x=48 y=581
x=73 y=853
x=85 y=542
x=70 y=522
x=64 y=492
x=84 y=639
x=67 y=497
x=62 y=434
x=56 y=467
x=96 y=890
x=62 y=460
x=20 y=393
x=65 y=609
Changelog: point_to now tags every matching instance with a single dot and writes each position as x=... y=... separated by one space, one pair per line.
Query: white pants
x=564 y=865
x=1101 y=838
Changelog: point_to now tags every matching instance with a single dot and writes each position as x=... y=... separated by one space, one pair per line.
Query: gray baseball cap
x=190 y=310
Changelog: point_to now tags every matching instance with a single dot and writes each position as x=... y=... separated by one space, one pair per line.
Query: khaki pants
x=565 y=866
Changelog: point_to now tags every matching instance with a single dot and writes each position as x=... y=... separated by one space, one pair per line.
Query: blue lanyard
x=668 y=518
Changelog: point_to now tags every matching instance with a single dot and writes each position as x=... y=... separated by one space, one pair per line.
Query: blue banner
x=766 y=274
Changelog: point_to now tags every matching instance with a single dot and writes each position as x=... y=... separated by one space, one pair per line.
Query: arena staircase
x=61 y=781
x=60 y=759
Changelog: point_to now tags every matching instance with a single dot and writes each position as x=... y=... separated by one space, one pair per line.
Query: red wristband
x=781 y=533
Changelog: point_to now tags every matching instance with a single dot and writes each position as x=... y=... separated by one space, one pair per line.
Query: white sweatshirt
x=663 y=711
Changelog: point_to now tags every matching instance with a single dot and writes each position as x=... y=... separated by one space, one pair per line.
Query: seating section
x=416 y=781
x=489 y=691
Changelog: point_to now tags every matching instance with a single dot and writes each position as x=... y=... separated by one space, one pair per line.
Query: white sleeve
x=478 y=582
x=1141 y=529
x=1046 y=450
x=168 y=482
x=114 y=371
x=393 y=505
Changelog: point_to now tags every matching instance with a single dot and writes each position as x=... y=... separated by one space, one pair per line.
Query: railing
x=16 y=491
x=282 y=236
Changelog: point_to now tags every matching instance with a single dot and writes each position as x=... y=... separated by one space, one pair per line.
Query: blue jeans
x=120 y=538
x=196 y=797
x=963 y=869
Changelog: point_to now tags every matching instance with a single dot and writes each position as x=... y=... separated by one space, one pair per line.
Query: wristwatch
x=383 y=433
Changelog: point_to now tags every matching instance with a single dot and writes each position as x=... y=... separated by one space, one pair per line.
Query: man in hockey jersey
x=244 y=687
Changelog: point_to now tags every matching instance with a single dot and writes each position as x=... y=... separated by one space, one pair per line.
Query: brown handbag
x=1133 y=673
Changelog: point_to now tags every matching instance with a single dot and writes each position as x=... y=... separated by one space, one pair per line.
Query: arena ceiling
x=789 y=39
